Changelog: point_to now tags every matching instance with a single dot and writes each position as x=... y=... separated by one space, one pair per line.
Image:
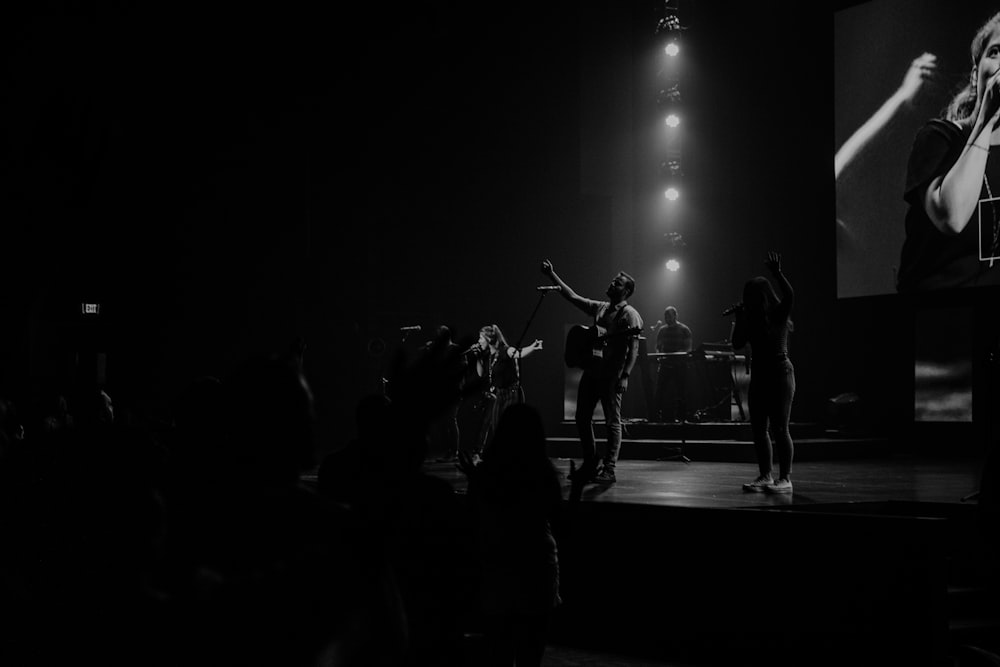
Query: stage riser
x=703 y=431
x=813 y=589
x=724 y=451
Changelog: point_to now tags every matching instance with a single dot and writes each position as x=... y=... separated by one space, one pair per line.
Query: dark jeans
x=594 y=388
x=772 y=388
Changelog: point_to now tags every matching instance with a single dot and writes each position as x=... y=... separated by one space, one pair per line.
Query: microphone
x=732 y=309
x=546 y=288
x=412 y=329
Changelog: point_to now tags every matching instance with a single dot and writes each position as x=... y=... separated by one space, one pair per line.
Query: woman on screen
x=953 y=183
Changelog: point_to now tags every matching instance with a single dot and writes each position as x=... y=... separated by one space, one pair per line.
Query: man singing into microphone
x=606 y=378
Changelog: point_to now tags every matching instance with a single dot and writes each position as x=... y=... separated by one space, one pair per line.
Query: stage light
x=671 y=25
x=669 y=102
x=675 y=239
x=670 y=96
x=671 y=174
x=673 y=265
x=671 y=169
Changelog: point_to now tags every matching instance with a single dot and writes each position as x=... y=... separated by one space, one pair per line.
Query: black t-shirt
x=503 y=370
x=931 y=259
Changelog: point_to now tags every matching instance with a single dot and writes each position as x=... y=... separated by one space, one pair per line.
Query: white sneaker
x=783 y=485
x=759 y=485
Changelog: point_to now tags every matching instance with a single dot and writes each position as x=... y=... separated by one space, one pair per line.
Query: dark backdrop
x=225 y=179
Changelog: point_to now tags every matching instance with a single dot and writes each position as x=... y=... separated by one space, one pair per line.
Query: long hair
x=493 y=335
x=760 y=301
x=964 y=102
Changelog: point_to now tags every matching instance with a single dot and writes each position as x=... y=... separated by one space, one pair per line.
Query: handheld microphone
x=732 y=309
x=415 y=328
x=546 y=288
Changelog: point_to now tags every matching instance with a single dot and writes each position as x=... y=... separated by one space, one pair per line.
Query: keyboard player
x=673 y=342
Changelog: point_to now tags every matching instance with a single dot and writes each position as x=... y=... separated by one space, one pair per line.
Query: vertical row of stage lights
x=668 y=100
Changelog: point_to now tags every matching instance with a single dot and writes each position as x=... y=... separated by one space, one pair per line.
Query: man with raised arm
x=605 y=378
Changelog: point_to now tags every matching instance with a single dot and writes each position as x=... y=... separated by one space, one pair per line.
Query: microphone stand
x=520 y=340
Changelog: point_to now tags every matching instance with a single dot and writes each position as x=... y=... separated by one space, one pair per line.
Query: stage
x=878 y=557
x=874 y=560
x=719 y=441
x=714 y=484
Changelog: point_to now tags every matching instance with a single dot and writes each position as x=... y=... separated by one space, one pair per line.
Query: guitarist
x=605 y=379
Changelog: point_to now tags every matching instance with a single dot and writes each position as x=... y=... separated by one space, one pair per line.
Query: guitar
x=584 y=345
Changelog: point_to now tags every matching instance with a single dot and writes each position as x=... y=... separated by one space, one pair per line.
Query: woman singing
x=497 y=365
x=953 y=184
x=763 y=321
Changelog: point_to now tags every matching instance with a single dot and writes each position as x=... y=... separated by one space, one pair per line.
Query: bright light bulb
x=673 y=120
x=672 y=194
x=672 y=49
x=673 y=265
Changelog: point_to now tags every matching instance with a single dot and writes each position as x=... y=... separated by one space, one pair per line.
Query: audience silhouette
x=84 y=523
x=272 y=572
x=415 y=517
x=516 y=493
